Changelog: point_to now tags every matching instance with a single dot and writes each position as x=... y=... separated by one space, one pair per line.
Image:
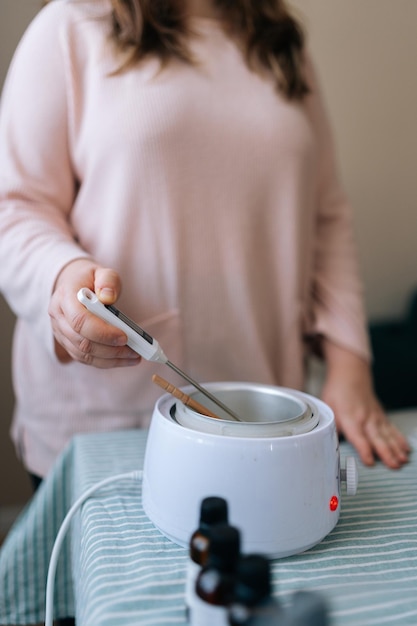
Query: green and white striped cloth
x=116 y=569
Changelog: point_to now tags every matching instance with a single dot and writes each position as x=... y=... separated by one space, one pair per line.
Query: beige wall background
x=15 y=15
x=365 y=52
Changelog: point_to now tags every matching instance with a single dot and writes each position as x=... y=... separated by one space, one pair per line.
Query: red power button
x=334 y=503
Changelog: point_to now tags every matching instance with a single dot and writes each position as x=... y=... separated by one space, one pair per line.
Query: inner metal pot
x=265 y=411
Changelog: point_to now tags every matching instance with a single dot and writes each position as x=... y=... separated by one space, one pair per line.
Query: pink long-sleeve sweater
x=215 y=199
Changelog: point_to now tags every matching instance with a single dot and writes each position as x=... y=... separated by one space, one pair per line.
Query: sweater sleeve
x=37 y=181
x=337 y=302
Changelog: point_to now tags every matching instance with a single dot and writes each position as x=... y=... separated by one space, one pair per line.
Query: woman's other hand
x=80 y=335
x=359 y=416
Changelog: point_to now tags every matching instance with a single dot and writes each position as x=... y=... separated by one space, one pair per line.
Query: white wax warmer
x=279 y=469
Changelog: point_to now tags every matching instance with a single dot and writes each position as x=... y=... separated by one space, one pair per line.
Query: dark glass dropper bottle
x=213 y=511
x=215 y=582
x=253 y=603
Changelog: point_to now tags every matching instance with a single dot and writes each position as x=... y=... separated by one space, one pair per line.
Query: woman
x=183 y=145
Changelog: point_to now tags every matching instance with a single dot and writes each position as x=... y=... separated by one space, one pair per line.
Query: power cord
x=50 y=581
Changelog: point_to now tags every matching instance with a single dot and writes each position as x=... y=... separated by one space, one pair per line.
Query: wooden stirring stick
x=185 y=399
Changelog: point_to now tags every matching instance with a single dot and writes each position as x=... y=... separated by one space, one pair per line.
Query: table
x=116 y=569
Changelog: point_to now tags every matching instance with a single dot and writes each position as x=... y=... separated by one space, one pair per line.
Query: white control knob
x=350 y=476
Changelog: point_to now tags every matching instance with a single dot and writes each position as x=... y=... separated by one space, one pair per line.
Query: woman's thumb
x=107 y=285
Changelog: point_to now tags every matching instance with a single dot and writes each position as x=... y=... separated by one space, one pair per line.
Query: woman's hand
x=348 y=390
x=80 y=335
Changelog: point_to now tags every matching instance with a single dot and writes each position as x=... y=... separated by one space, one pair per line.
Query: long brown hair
x=271 y=36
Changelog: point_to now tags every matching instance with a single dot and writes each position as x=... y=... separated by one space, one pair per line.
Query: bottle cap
x=253 y=579
x=224 y=546
x=213 y=510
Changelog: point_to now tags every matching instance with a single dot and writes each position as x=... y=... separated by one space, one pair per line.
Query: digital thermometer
x=140 y=341
x=137 y=339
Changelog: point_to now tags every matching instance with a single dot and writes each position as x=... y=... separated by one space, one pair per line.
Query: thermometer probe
x=140 y=341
